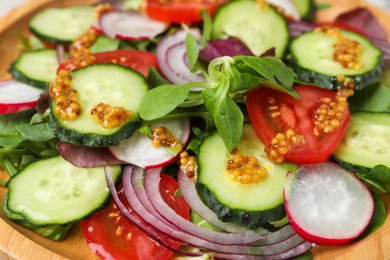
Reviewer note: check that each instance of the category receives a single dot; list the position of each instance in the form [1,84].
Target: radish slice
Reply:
[130,25]
[288,7]
[138,149]
[172,58]
[326,204]
[16,96]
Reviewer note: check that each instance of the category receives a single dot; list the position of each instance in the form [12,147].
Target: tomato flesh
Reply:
[139,61]
[112,236]
[286,112]
[181,11]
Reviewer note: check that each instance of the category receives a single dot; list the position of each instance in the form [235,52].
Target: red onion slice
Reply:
[130,25]
[152,178]
[60,51]
[131,216]
[172,58]
[292,246]
[201,232]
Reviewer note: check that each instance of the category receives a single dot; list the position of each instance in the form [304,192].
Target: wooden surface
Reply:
[19,243]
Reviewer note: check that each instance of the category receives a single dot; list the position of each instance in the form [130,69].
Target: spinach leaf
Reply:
[226,114]
[9,122]
[192,50]
[269,68]
[11,142]
[378,217]
[160,101]
[40,132]
[374,98]
[155,79]
[207,27]
[104,43]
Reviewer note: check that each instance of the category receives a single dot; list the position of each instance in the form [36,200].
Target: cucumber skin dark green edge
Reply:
[48,39]
[330,82]
[93,140]
[19,76]
[251,219]
[54,235]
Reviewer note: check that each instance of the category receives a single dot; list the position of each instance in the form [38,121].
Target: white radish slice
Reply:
[327,204]
[138,149]
[130,25]
[172,59]
[16,96]
[287,6]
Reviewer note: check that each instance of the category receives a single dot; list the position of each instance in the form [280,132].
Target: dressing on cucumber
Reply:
[110,84]
[260,28]
[312,59]
[36,68]
[58,192]
[367,140]
[250,205]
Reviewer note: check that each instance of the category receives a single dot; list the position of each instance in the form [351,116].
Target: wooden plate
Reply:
[17,242]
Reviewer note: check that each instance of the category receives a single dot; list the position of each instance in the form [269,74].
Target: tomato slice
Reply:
[273,112]
[112,236]
[181,11]
[137,60]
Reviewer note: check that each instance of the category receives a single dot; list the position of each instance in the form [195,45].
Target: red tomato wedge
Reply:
[140,61]
[181,11]
[112,236]
[273,112]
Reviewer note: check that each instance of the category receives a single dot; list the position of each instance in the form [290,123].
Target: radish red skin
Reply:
[16,96]
[329,241]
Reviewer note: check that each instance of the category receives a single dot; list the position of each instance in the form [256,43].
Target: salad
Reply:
[226,129]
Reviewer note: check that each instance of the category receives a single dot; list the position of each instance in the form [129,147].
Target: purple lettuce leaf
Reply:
[87,157]
[224,47]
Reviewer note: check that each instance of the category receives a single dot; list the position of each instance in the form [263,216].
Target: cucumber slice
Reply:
[58,192]
[248,205]
[112,84]
[61,25]
[306,9]
[366,142]
[260,28]
[54,232]
[312,60]
[36,68]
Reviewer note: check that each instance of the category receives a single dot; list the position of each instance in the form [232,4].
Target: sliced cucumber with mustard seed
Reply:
[250,204]
[61,25]
[312,58]
[109,84]
[36,68]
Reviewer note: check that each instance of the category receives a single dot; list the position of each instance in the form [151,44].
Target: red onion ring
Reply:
[152,178]
[195,230]
[172,58]
[60,51]
[131,216]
